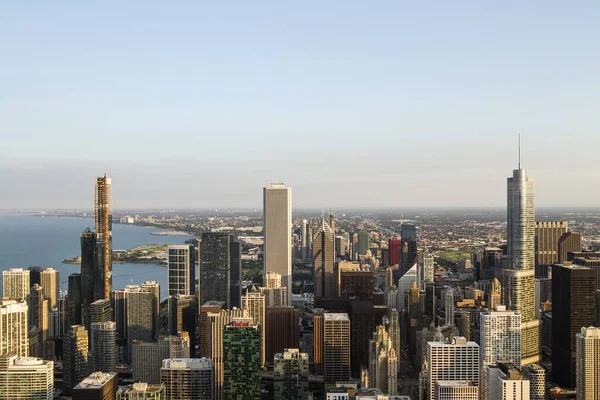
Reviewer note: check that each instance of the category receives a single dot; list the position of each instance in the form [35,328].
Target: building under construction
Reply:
[103,229]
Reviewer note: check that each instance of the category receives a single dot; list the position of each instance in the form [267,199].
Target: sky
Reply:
[351,103]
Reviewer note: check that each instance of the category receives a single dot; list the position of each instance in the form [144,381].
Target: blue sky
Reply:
[352,103]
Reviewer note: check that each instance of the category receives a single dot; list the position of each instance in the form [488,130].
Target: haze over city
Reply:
[200,105]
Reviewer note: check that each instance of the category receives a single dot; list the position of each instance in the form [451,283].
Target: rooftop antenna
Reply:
[519,151]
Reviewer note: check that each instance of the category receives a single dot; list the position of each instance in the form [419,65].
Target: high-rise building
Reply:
[35,275]
[568,242]
[139,304]
[291,375]
[318,340]
[50,281]
[103,230]
[383,362]
[63,315]
[208,307]
[547,236]
[588,359]
[355,282]
[394,249]
[148,356]
[182,318]
[254,303]
[277,231]
[15,284]
[304,241]
[427,262]
[362,246]
[340,246]
[408,250]
[456,361]
[26,378]
[405,283]
[118,304]
[456,390]
[181,269]
[235,276]
[449,305]
[91,279]
[103,347]
[141,391]
[574,287]
[282,328]
[38,316]
[154,287]
[215,267]
[495,294]
[187,378]
[75,356]
[537,378]
[336,349]
[324,261]
[518,284]
[100,311]
[74,301]
[97,386]
[14,328]
[504,381]
[241,361]
[275,294]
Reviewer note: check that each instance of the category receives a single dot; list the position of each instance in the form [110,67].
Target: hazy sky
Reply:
[352,103]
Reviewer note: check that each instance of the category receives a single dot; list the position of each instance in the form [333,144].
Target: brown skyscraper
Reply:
[282,330]
[318,340]
[547,235]
[324,261]
[103,228]
[356,283]
[336,352]
[568,242]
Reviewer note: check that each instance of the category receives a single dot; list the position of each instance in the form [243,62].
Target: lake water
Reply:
[27,240]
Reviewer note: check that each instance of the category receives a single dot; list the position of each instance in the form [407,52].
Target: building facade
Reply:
[15,284]
[241,361]
[336,347]
[215,267]
[291,375]
[187,378]
[181,269]
[26,378]
[588,359]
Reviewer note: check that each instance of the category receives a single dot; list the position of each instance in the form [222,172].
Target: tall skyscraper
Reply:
[154,287]
[291,375]
[568,242]
[394,249]
[282,329]
[318,340]
[38,316]
[277,231]
[14,328]
[140,322]
[254,303]
[304,241]
[241,361]
[383,362]
[324,261]
[336,351]
[574,287]
[547,236]
[92,272]
[75,356]
[408,250]
[456,361]
[362,245]
[519,277]
[97,386]
[588,359]
[235,276]
[187,378]
[182,318]
[148,356]
[181,269]
[103,230]
[103,347]
[537,378]
[495,294]
[15,284]
[100,311]
[215,267]
[449,305]
[427,262]
[275,294]
[50,281]
[26,378]
[74,301]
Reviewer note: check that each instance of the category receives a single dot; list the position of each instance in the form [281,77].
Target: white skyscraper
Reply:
[519,277]
[15,284]
[456,361]
[181,269]
[428,267]
[277,231]
[588,360]
[26,378]
[13,328]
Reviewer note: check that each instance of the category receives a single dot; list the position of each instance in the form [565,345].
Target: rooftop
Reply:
[187,363]
[336,317]
[96,380]
[455,383]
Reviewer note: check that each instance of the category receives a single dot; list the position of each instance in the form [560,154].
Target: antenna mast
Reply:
[519,151]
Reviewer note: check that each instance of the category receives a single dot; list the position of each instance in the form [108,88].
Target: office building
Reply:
[14,328]
[537,381]
[277,231]
[208,307]
[383,362]
[97,386]
[455,361]
[241,361]
[215,267]
[38,317]
[340,247]
[34,275]
[336,347]
[103,347]
[495,294]
[574,287]
[305,241]
[568,242]
[504,381]
[405,283]
[15,284]
[75,356]
[74,301]
[291,375]
[235,275]
[50,281]
[588,359]
[182,318]
[427,263]
[154,287]
[547,236]
[449,305]
[26,378]
[363,243]
[181,266]
[500,336]
[141,391]
[394,250]
[100,311]
[324,262]
[148,356]
[275,294]
[355,282]
[456,390]
[408,250]
[318,340]
[282,330]
[92,269]
[187,378]
[519,277]
[254,303]
[139,305]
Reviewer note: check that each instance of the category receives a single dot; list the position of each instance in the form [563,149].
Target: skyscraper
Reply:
[103,230]
[324,261]
[282,328]
[187,378]
[304,241]
[141,391]
[103,347]
[277,231]
[362,245]
[38,316]
[74,301]
[318,340]
[254,303]
[275,294]
[427,262]
[408,250]
[568,242]
[547,236]
[215,267]
[291,375]
[336,351]
[537,378]
[97,386]
[235,276]
[26,378]
[182,318]
[139,306]
[148,356]
[449,305]
[574,287]
[100,311]
[519,277]
[92,270]
[241,361]
[154,287]
[50,281]
[495,294]
[14,328]
[181,269]
[383,362]
[15,284]
[394,249]
[588,359]
[75,356]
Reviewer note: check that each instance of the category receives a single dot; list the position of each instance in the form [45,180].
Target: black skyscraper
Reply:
[235,260]
[74,300]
